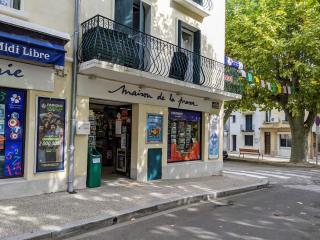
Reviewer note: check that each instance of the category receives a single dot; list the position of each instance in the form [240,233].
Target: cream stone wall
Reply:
[139,146]
[61,90]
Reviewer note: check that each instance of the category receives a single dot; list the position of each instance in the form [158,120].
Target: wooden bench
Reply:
[251,151]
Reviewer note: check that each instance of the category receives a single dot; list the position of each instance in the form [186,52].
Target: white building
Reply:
[267,131]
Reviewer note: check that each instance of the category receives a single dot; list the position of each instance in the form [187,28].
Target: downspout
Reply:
[74,95]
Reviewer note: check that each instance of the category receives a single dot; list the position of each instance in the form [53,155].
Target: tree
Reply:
[278,40]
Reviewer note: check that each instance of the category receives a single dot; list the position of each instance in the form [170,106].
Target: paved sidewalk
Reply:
[58,212]
[270,160]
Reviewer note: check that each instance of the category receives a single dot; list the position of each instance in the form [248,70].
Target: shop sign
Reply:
[83,128]
[26,76]
[213,137]
[215,105]
[30,49]
[154,128]
[50,134]
[111,90]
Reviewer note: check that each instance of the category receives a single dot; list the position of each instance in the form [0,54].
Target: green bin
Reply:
[94,168]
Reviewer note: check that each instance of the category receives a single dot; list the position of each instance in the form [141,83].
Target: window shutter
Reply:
[197,59]
[179,33]
[124,12]
[197,42]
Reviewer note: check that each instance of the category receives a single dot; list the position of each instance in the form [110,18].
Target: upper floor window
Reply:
[16,4]
[249,126]
[233,118]
[268,116]
[285,140]
[286,117]
[200,2]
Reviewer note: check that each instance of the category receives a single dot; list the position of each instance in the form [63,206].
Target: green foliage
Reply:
[279,41]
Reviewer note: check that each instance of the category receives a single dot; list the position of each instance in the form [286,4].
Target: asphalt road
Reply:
[288,210]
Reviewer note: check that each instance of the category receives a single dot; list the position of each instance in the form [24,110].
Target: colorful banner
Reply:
[50,134]
[213,137]
[14,132]
[154,128]
[184,135]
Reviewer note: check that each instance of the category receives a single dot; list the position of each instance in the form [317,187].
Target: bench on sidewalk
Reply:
[251,151]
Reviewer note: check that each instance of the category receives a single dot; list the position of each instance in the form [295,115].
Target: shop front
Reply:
[148,133]
[33,110]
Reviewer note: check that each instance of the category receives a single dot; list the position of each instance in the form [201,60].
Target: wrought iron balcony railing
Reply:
[247,128]
[105,40]
[206,4]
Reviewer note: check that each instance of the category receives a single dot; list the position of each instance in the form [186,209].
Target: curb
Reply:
[102,221]
[271,163]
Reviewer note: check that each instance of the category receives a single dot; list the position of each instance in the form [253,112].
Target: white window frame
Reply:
[287,137]
[11,2]
[12,12]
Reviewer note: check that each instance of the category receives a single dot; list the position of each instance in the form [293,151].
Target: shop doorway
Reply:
[267,143]
[111,136]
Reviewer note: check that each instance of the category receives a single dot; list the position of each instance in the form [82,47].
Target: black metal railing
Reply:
[105,40]
[206,4]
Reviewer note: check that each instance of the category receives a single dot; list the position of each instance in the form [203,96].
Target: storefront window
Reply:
[12,124]
[285,140]
[184,135]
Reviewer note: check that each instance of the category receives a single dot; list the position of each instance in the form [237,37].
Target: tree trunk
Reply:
[299,140]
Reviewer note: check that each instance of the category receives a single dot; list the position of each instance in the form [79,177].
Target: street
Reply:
[289,209]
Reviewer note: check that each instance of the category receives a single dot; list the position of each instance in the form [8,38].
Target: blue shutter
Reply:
[197,59]
[179,33]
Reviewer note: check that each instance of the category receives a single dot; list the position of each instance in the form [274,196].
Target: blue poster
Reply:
[214,137]
[154,128]
[14,132]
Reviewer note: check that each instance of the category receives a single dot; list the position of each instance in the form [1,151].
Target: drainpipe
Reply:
[74,95]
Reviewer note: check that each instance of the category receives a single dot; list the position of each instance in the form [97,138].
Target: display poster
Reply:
[213,137]
[13,108]
[121,160]
[184,135]
[50,134]
[154,128]
[118,125]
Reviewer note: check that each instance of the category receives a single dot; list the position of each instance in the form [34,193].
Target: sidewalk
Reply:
[56,215]
[270,160]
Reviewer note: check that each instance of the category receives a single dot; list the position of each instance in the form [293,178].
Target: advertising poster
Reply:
[184,135]
[121,160]
[213,137]
[154,128]
[13,128]
[50,134]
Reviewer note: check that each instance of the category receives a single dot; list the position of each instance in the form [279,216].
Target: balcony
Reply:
[200,7]
[247,129]
[106,43]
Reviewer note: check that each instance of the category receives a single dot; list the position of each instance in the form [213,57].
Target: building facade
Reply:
[150,91]
[268,131]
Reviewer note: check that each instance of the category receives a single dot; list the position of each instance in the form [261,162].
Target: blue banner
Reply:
[175,114]
[30,49]
[14,132]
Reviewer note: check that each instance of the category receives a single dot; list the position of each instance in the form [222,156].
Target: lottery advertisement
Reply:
[12,121]
[50,134]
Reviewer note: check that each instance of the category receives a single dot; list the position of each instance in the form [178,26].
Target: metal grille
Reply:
[105,40]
